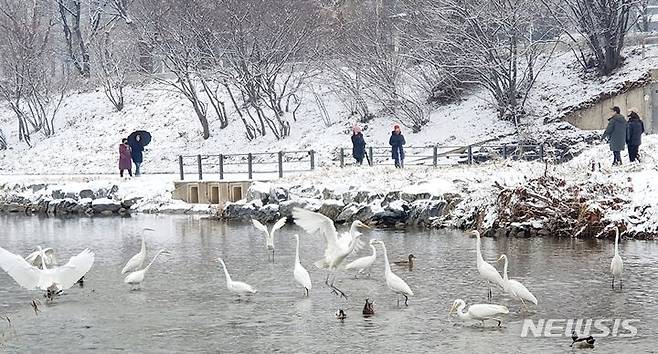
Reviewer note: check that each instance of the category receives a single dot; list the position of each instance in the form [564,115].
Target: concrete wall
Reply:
[596,117]
[210,192]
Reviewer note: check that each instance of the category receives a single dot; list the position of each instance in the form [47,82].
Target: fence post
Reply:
[372,157]
[250,167]
[435,156]
[470,154]
[312,153]
[198,161]
[504,151]
[221,166]
[342,157]
[180,167]
[541,151]
[280,164]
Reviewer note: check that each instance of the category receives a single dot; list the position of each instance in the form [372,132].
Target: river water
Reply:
[183,305]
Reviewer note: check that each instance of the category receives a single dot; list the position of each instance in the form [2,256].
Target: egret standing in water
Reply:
[487,272]
[269,235]
[137,261]
[480,312]
[395,283]
[300,273]
[137,277]
[514,288]
[363,263]
[237,287]
[617,265]
[52,280]
[337,249]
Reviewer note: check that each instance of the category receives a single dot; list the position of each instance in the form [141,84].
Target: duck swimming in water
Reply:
[368,309]
[409,262]
[582,343]
[341,315]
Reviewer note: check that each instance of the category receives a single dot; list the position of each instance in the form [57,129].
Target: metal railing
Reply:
[446,155]
[249,163]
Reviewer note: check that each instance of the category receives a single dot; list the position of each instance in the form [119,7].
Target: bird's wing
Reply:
[69,274]
[487,310]
[261,227]
[34,258]
[279,224]
[19,269]
[398,285]
[312,222]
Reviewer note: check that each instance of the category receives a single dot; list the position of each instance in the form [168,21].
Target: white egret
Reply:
[52,280]
[395,283]
[34,258]
[300,273]
[514,288]
[269,235]
[363,263]
[479,312]
[237,287]
[336,250]
[137,261]
[617,265]
[487,272]
[137,277]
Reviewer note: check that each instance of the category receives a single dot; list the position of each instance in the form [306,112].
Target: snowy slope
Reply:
[89,130]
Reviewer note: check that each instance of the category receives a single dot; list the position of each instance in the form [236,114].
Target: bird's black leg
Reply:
[613,282]
[405,300]
[398,301]
[326,281]
[621,283]
[499,322]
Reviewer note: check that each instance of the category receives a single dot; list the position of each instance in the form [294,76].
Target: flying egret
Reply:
[479,312]
[337,249]
[395,283]
[137,277]
[137,261]
[515,288]
[617,265]
[300,273]
[52,280]
[487,272]
[363,263]
[269,235]
[237,287]
[34,258]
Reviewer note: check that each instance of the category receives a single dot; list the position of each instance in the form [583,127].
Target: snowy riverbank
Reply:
[512,198]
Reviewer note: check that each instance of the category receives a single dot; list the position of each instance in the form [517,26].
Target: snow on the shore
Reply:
[89,130]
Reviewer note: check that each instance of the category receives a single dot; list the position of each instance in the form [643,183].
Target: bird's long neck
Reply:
[43,258]
[354,230]
[505,270]
[228,276]
[143,245]
[153,260]
[374,251]
[477,249]
[297,249]
[616,242]
[387,266]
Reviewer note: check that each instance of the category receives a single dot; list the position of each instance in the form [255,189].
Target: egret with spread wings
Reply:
[269,235]
[337,249]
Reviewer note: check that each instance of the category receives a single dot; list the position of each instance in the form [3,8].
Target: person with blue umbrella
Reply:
[137,140]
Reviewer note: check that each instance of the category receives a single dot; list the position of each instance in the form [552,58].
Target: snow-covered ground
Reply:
[89,130]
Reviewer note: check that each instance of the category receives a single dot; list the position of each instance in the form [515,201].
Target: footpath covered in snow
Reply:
[503,197]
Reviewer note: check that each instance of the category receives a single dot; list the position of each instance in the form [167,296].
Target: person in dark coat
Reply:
[358,145]
[125,158]
[634,135]
[397,142]
[616,134]
[136,154]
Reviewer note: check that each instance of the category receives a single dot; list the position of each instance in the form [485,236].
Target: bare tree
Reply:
[3,140]
[602,25]
[116,57]
[30,82]
[269,49]
[495,43]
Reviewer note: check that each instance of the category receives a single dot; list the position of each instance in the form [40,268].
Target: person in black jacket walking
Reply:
[358,145]
[397,141]
[616,134]
[634,135]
